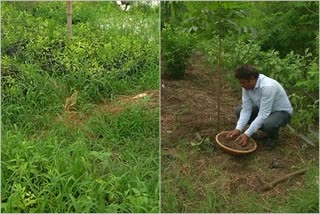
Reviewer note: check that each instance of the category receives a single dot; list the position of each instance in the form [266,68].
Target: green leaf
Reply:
[193,143]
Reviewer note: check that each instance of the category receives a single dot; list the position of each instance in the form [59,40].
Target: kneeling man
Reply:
[265,107]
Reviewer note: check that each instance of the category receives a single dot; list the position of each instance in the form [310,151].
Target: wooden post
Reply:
[69,19]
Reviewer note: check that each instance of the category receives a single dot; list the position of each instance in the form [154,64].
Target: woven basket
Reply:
[234,151]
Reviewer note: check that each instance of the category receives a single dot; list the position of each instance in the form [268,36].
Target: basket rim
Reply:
[233,150]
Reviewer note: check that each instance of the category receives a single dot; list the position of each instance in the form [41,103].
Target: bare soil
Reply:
[76,119]
[190,105]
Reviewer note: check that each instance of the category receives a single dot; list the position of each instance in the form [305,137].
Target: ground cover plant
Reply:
[196,174]
[79,116]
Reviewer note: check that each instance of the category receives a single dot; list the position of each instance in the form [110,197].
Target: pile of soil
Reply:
[233,144]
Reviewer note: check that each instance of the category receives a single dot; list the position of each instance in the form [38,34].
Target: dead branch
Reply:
[301,136]
[269,185]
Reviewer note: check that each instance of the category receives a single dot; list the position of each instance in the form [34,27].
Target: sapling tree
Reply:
[221,20]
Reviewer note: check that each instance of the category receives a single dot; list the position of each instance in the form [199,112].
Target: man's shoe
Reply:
[259,136]
[270,143]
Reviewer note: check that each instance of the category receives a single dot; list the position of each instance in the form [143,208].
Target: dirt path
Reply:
[189,106]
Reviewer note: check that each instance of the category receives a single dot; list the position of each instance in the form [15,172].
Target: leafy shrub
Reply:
[299,76]
[287,26]
[176,49]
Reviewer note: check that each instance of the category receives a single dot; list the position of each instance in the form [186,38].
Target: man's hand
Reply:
[242,140]
[233,133]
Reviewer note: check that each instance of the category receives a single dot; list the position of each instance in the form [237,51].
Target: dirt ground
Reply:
[76,118]
[189,106]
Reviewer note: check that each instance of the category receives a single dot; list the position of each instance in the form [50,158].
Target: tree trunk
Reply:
[219,84]
[219,71]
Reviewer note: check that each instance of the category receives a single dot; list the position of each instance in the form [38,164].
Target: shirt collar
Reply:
[258,82]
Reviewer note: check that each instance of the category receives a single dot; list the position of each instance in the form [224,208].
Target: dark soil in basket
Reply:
[233,144]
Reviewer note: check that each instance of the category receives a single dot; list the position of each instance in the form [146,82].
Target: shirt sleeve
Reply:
[268,94]
[245,111]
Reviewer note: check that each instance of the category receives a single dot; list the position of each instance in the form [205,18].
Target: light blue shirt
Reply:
[269,96]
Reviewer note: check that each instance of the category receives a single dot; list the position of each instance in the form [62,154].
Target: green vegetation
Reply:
[63,147]
[286,27]
[177,46]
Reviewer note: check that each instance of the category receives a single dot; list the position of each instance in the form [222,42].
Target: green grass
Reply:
[187,186]
[98,161]
[66,171]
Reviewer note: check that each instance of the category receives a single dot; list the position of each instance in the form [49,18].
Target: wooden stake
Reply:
[301,136]
[69,19]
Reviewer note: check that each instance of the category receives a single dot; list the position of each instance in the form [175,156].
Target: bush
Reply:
[176,49]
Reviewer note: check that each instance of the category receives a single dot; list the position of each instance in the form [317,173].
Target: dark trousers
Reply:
[272,124]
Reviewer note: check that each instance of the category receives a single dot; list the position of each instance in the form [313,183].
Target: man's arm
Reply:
[245,112]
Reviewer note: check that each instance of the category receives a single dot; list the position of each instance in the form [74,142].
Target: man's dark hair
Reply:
[246,72]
